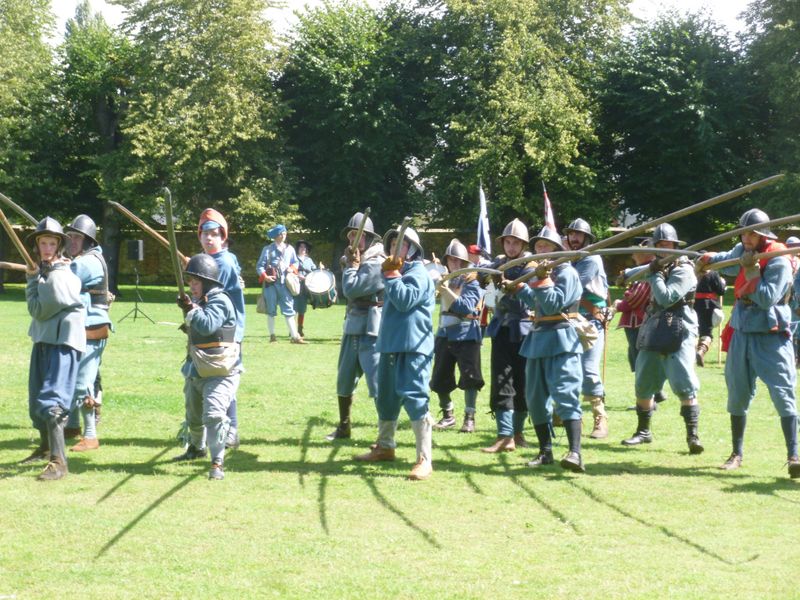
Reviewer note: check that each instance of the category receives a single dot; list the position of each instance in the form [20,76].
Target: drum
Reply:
[321,286]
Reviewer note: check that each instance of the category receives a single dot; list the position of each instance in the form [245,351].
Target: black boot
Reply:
[545,446]
[192,452]
[691,416]
[342,430]
[789,426]
[41,453]
[57,467]
[643,434]
[447,421]
[573,460]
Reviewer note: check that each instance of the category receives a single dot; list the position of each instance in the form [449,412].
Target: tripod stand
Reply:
[135,311]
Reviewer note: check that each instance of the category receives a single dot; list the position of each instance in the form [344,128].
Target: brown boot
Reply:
[702,347]
[501,444]
[71,432]
[55,469]
[342,430]
[520,441]
[376,454]
[85,445]
[422,470]
[600,428]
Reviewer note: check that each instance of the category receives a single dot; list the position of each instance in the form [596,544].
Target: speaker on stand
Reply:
[136,254]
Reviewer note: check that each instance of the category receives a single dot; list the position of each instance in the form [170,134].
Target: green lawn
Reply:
[296,517]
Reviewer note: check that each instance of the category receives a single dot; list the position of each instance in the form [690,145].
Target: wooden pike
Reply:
[18,209]
[360,230]
[12,235]
[12,266]
[146,228]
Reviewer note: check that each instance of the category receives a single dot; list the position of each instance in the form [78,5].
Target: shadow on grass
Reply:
[165,496]
[141,469]
[766,488]
[323,485]
[468,477]
[659,528]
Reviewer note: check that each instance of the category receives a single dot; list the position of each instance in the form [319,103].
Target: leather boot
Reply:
[383,449]
[702,347]
[42,452]
[469,423]
[422,433]
[342,430]
[520,441]
[794,466]
[600,427]
[447,421]
[691,415]
[57,467]
[545,456]
[501,444]
[85,445]
[573,461]
[192,452]
[643,434]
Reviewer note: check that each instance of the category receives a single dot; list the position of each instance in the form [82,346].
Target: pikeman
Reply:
[405,343]
[90,267]
[213,365]
[710,287]
[59,339]
[212,231]
[458,340]
[553,368]
[666,342]
[362,286]
[508,328]
[595,292]
[760,336]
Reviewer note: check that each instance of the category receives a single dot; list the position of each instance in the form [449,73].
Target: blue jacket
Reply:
[664,292]
[461,321]
[273,257]
[213,313]
[551,338]
[363,289]
[229,271]
[765,309]
[92,273]
[54,302]
[510,311]
[593,279]
[409,302]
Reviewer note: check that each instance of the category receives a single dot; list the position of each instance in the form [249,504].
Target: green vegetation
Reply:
[295,517]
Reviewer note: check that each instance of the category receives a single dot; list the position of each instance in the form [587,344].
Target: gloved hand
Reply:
[352,257]
[185,303]
[655,266]
[701,264]
[750,265]
[509,287]
[543,270]
[392,263]
[620,280]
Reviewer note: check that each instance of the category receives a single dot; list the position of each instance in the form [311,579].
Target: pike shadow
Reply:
[323,485]
[160,500]
[554,512]
[659,528]
[140,469]
[468,477]
[766,488]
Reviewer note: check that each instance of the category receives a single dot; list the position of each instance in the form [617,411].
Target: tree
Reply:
[355,81]
[677,120]
[203,113]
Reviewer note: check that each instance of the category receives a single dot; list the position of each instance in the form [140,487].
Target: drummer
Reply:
[305,266]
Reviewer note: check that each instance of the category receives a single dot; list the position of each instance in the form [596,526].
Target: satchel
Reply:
[214,365]
[292,282]
[661,332]
[261,304]
[587,332]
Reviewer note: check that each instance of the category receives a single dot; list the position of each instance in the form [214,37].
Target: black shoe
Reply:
[794,467]
[447,421]
[191,453]
[640,437]
[544,458]
[573,462]
[695,447]
[659,397]
[342,432]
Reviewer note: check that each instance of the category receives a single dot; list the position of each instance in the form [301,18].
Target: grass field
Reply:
[295,517]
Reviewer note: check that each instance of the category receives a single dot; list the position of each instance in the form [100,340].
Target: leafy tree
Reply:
[773,38]
[355,81]
[677,120]
[203,114]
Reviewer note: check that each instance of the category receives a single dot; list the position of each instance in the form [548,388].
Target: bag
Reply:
[292,282]
[717,317]
[261,304]
[661,332]
[587,332]
[214,365]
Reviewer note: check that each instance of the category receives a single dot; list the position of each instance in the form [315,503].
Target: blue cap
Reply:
[208,225]
[276,231]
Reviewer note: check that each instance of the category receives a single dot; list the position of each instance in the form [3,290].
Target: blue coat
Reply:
[409,302]
[468,304]
[208,318]
[510,311]
[679,282]
[592,275]
[551,338]
[272,256]
[229,271]
[88,268]
[363,288]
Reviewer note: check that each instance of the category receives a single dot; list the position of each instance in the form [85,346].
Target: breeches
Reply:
[357,356]
[87,371]
[507,387]
[277,295]
[403,379]
[653,368]
[447,355]
[592,384]
[553,380]
[51,380]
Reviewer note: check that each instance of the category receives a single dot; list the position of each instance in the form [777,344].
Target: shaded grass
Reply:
[296,517]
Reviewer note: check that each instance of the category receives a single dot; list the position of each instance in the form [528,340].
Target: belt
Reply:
[470,316]
[367,303]
[97,332]
[559,317]
[706,296]
[213,345]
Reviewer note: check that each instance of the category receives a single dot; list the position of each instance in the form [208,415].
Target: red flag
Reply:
[549,221]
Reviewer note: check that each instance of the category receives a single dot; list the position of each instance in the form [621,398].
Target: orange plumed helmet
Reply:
[211,215]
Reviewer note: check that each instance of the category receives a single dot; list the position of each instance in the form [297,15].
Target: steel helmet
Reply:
[516,229]
[792,241]
[548,235]
[666,233]
[85,225]
[754,216]
[204,267]
[415,250]
[580,226]
[457,250]
[48,226]
[355,222]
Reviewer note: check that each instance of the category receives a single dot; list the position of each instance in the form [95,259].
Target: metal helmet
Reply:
[754,216]
[204,267]
[355,222]
[665,233]
[85,225]
[48,226]
[792,241]
[516,229]
[580,226]
[415,252]
[457,250]
[548,235]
